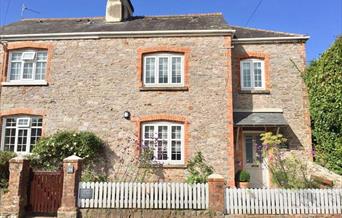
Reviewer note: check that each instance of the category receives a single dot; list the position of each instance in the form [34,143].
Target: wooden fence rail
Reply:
[283,201]
[143,195]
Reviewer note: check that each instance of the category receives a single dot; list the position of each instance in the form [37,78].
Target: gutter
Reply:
[270,39]
[116,34]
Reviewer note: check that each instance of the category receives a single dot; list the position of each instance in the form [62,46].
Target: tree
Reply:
[324,81]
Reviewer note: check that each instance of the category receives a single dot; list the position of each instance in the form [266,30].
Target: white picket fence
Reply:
[283,201]
[143,195]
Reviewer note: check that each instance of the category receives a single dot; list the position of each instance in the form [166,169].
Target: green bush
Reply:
[324,81]
[243,176]
[198,170]
[50,151]
[5,156]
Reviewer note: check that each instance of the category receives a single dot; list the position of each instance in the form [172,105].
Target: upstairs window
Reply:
[27,65]
[167,141]
[20,134]
[252,74]
[163,69]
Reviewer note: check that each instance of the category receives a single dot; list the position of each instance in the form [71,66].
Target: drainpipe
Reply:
[4,48]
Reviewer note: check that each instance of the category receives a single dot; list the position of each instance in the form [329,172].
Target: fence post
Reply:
[216,193]
[15,200]
[72,168]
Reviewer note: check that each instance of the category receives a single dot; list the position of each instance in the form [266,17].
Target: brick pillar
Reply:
[72,173]
[15,200]
[216,193]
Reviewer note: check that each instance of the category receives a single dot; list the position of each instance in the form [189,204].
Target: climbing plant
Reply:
[198,169]
[324,81]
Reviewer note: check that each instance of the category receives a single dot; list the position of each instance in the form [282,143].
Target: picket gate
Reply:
[143,195]
[283,201]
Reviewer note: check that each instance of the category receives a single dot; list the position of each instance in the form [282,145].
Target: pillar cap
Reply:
[73,158]
[216,177]
[18,159]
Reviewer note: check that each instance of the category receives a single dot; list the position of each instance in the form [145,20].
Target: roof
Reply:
[259,119]
[214,21]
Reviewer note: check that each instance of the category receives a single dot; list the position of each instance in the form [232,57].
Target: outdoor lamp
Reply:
[127,115]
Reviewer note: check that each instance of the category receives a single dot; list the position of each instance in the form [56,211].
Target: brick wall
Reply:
[94,81]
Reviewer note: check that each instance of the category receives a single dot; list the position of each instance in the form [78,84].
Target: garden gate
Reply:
[45,192]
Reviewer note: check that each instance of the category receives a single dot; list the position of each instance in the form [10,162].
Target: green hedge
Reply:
[324,81]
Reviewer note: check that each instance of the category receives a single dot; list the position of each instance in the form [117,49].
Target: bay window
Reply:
[252,74]
[21,133]
[163,69]
[167,141]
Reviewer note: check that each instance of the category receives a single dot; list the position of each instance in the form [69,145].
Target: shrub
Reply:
[324,81]
[198,170]
[5,156]
[243,176]
[50,151]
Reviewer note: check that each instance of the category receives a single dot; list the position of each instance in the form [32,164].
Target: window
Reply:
[164,69]
[20,134]
[167,141]
[252,74]
[27,65]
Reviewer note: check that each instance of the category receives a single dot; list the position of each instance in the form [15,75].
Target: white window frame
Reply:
[157,57]
[34,62]
[17,128]
[251,62]
[169,141]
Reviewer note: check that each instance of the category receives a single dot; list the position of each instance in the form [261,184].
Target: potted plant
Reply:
[243,179]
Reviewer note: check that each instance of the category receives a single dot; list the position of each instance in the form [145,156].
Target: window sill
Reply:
[255,92]
[168,166]
[167,89]
[25,83]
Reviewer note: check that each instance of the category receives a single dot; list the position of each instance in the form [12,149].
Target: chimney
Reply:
[118,10]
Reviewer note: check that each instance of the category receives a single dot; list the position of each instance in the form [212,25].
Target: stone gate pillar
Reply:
[72,169]
[15,200]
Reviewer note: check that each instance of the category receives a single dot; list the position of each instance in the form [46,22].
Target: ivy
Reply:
[5,156]
[324,81]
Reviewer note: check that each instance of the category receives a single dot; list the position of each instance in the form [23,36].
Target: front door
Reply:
[253,163]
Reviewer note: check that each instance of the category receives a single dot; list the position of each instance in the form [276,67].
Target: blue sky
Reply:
[321,19]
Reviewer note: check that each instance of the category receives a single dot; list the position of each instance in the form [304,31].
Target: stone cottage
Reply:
[195,81]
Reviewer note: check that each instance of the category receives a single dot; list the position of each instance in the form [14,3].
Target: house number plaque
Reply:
[86,193]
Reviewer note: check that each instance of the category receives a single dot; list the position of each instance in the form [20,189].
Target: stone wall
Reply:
[287,88]
[94,81]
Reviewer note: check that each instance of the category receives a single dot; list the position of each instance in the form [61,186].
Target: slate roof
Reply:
[149,23]
[259,119]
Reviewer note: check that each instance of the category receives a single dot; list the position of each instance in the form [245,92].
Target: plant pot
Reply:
[243,184]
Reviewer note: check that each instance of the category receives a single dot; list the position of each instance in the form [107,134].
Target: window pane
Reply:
[16,56]
[22,140]
[176,132]
[11,122]
[246,75]
[249,149]
[162,142]
[15,71]
[40,71]
[9,139]
[257,75]
[176,150]
[149,132]
[42,56]
[28,71]
[176,70]
[37,122]
[150,70]
[36,133]
[163,70]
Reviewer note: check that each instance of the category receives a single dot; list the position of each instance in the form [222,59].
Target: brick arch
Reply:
[23,111]
[12,46]
[169,118]
[182,50]
[257,55]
